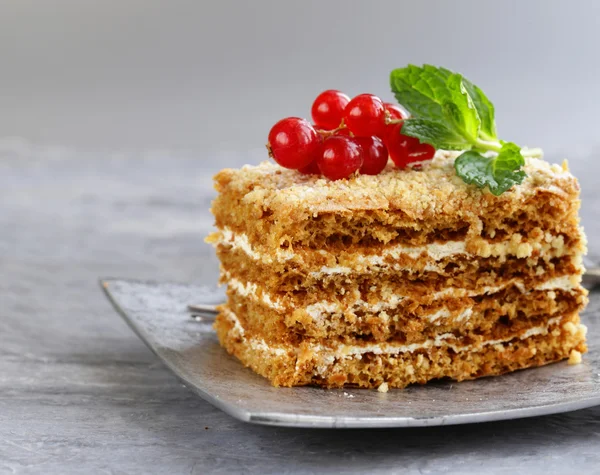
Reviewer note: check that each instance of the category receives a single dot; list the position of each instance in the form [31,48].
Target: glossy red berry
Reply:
[405,150]
[341,157]
[365,116]
[311,169]
[375,155]
[294,143]
[421,151]
[328,109]
[396,112]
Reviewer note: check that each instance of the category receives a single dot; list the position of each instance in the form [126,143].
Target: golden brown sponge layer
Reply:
[489,316]
[465,273]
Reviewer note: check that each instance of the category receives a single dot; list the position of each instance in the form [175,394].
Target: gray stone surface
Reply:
[80,393]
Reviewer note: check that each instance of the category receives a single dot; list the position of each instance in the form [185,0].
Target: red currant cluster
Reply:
[347,136]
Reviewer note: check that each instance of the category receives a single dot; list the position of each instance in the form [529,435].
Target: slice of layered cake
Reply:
[344,267]
[399,278]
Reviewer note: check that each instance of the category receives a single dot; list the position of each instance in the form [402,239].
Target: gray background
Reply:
[115,114]
[203,76]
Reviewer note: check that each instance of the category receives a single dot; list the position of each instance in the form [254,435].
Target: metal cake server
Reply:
[202,312]
[591,278]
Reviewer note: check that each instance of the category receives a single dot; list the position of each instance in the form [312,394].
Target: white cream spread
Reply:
[240,241]
[250,289]
[565,282]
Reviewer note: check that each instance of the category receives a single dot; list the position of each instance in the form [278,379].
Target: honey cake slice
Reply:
[399,278]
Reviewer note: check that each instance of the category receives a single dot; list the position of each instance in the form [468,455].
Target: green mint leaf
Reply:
[435,133]
[417,103]
[485,110]
[460,109]
[498,173]
[450,112]
[438,70]
[438,95]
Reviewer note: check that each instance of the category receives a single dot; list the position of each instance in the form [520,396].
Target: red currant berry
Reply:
[328,109]
[341,157]
[375,155]
[311,169]
[421,152]
[404,149]
[365,116]
[396,112]
[294,143]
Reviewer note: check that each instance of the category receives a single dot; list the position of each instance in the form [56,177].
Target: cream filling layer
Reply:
[250,289]
[320,310]
[512,247]
[446,340]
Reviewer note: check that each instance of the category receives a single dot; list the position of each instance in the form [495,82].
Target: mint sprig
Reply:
[449,112]
[498,173]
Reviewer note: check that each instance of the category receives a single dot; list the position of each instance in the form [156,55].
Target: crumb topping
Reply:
[435,189]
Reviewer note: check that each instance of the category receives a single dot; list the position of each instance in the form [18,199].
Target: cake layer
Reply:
[318,266]
[358,258]
[460,272]
[371,365]
[384,297]
[280,208]
[492,316]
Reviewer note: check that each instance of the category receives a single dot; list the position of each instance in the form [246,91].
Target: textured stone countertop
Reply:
[80,393]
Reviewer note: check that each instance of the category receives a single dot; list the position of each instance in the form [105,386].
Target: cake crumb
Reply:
[575,357]
[349,396]
[571,328]
[384,388]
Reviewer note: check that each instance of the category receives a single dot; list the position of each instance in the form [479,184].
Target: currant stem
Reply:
[269,150]
[329,133]
[393,121]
